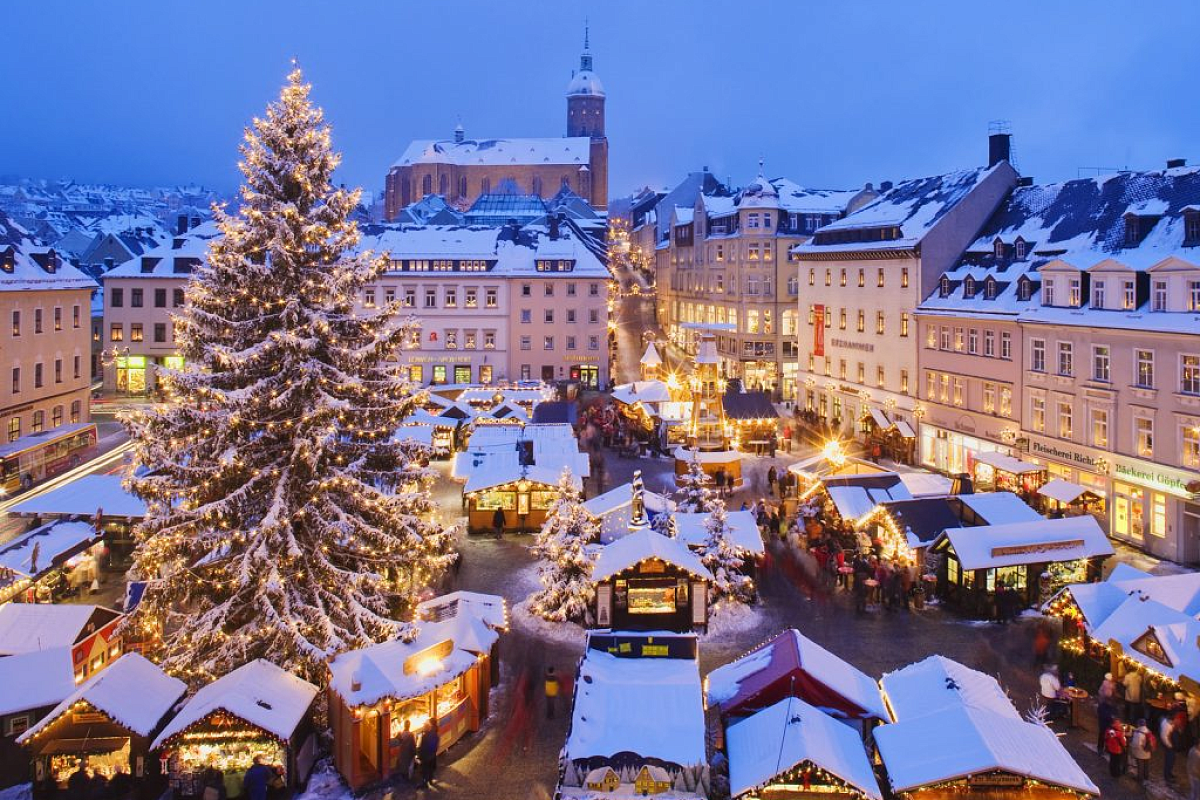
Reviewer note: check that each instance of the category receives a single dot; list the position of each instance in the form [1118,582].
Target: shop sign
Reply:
[439,360]
[1061,453]
[437,652]
[818,330]
[1134,470]
[1152,476]
[1037,547]
[866,347]
[996,780]
[581,359]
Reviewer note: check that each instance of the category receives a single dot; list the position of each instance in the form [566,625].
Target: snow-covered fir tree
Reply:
[664,523]
[565,571]
[720,556]
[283,522]
[695,495]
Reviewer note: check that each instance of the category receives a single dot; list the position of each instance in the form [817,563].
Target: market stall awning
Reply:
[1040,542]
[1014,466]
[854,496]
[83,497]
[1063,491]
[83,747]
[880,419]
[905,430]
[35,553]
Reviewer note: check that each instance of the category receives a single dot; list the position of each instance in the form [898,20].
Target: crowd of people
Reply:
[86,783]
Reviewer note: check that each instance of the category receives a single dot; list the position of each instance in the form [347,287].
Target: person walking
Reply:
[551,686]
[256,780]
[1166,735]
[1141,747]
[1114,745]
[773,481]
[498,522]
[427,751]
[406,751]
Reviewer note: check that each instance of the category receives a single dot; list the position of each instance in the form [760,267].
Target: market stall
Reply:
[90,632]
[31,685]
[646,581]
[443,675]
[523,493]
[1030,560]
[612,510]
[743,532]
[101,499]
[50,561]
[754,420]
[110,720]
[995,471]
[256,710]
[792,750]
[1063,497]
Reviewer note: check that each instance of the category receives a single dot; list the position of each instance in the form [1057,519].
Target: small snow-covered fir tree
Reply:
[282,520]
[695,495]
[565,571]
[665,524]
[720,556]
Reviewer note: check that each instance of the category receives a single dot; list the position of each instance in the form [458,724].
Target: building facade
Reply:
[462,169]
[1095,286]
[45,339]
[861,280]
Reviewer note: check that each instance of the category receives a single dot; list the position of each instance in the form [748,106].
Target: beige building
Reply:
[725,269]
[1096,283]
[861,280]
[44,340]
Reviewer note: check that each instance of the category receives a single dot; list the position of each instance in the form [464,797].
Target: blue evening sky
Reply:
[831,94]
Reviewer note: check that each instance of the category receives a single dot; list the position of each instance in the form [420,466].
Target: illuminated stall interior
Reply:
[256,710]
[647,582]
[43,562]
[524,494]
[110,720]
[443,675]
[997,472]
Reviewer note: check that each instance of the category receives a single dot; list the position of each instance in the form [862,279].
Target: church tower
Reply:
[585,117]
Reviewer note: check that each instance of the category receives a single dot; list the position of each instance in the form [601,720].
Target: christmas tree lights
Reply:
[565,571]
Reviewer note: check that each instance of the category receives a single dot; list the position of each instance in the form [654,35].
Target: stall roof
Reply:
[415,432]
[743,529]
[961,740]
[826,680]
[880,418]
[1062,490]
[1138,619]
[26,627]
[855,495]
[704,457]
[925,484]
[749,406]
[999,508]
[83,497]
[35,679]
[905,430]
[132,691]
[1040,541]
[936,683]
[488,608]
[1008,464]
[787,734]
[642,545]
[495,473]
[649,706]
[384,670]
[55,543]
[641,392]
[259,692]
[614,499]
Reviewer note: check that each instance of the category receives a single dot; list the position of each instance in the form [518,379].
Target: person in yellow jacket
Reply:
[551,692]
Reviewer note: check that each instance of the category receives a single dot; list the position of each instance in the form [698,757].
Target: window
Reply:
[37,375]
[526,343]
[526,290]
[160,298]
[1189,374]
[862,373]
[1099,427]
[1193,296]
[828,277]
[58,318]
[1048,292]
[1005,401]
[548,343]
[570,342]
[812,277]
[904,278]
[14,429]
[56,416]
[879,278]
[451,298]
[593,290]
[135,298]
[489,298]
[1037,414]
[78,361]
[1189,451]
[862,320]
[1143,435]
[842,281]
[471,298]
[879,322]
[904,381]
[989,344]
[451,339]
[989,398]
[489,340]
[931,385]
[1143,368]
[1066,359]
[570,290]
[39,422]
[842,319]
[1019,249]
[548,289]
[1006,345]
[1158,296]
[1037,355]
[904,323]
[1098,294]
[526,315]
[945,388]
[862,278]
[931,339]
[76,410]
[944,340]
[570,315]
[594,316]
[1066,427]
[16,323]
[431,298]
[176,298]
[593,343]
[1074,295]
[116,298]
[116,332]
[1128,296]
[75,316]
[135,332]
[58,370]
[548,316]
[973,341]
[37,320]
[1100,363]
[160,332]
[959,342]
[879,376]
[16,380]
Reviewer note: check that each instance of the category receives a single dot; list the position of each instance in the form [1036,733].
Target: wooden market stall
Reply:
[100,499]
[89,632]
[955,733]
[1066,498]
[744,533]
[1030,559]
[995,471]
[612,510]
[256,710]
[442,677]
[51,560]
[31,685]
[523,493]
[647,582]
[791,750]
[110,721]
[754,420]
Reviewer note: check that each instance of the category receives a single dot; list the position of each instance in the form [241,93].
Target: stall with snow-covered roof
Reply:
[1029,559]
[1063,497]
[442,675]
[791,750]
[744,533]
[637,721]
[89,632]
[648,582]
[995,471]
[613,510]
[31,685]
[110,720]
[791,665]
[256,710]
[955,733]
[523,493]
[102,499]
[50,560]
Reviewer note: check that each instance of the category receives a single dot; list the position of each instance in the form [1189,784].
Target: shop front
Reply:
[524,501]
[647,582]
[950,441]
[131,375]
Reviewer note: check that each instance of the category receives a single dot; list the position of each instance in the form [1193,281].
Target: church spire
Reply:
[585,60]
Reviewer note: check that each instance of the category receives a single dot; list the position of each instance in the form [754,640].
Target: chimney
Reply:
[181,225]
[553,227]
[885,186]
[458,133]
[109,263]
[195,222]
[1025,180]
[1176,163]
[999,148]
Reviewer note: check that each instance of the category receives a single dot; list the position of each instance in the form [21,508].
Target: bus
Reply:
[32,459]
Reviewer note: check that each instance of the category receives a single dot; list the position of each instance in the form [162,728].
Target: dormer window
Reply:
[1075,298]
[1098,294]
[944,287]
[998,248]
[1128,295]
[989,288]
[1024,288]
[1191,226]
[968,287]
[1048,292]
[1133,230]
[8,259]
[1019,249]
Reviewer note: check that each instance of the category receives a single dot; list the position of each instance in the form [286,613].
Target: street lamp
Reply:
[834,453]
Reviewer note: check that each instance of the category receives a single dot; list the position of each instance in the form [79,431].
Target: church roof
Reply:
[585,82]
[574,150]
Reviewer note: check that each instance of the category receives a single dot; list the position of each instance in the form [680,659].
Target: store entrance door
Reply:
[1191,534]
[368,744]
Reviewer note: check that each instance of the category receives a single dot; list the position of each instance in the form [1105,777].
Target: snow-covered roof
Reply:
[35,679]
[83,497]
[788,734]
[53,542]
[645,544]
[260,693]
[649,706]
[497,152]
[131,691]
[497,472]
[1007,463]
[960,741]
[925,484]
[1040,541]
[33,267]
[785,656]
[1061,490]
[176,258]
[26,627]
[1178,635]
[937,683]
[621,496]
[855,495]
[651,358]
[743,530]
[489,608]
[641,392]
[585,82]
[414,432]
[999,508]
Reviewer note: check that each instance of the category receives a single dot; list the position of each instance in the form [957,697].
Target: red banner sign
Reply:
[818,330]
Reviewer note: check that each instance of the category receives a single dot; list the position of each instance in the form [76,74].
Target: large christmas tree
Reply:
[565,570]
[283,522]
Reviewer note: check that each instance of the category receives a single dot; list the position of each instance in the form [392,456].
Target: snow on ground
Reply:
[323,784]
[22,791]
[727,619]
[563,632]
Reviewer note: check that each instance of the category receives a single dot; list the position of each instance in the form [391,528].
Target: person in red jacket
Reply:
[1114,745]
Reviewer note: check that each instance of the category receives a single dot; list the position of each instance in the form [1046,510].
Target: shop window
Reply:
[416,373]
